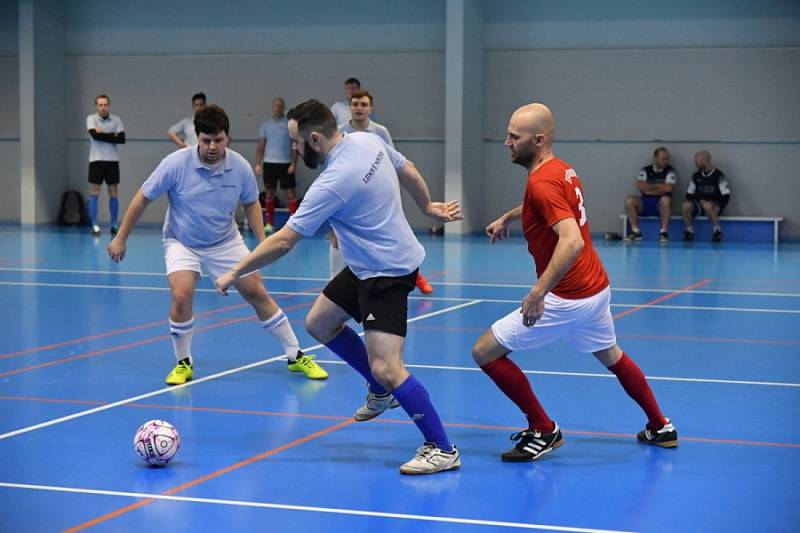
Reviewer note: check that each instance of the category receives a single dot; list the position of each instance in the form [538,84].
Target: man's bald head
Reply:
[536,119]
[531,130]
[702,160]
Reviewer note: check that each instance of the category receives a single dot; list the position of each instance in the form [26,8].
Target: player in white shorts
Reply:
[205,184]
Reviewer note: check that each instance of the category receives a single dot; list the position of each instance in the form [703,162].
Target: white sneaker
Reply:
[375,405]
[431,459]
[95,230]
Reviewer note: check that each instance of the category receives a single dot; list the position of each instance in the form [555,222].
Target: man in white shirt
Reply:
[341,109]
[358,193]
[106,132]
[204,185]
[182,133]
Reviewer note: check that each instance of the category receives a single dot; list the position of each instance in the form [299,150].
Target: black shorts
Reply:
[379,303]
[104,170]
[697,208]
[278,172]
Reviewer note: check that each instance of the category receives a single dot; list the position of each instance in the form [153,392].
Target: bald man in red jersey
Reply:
[570,299]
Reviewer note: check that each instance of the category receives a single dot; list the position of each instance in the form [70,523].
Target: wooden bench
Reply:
[734,228]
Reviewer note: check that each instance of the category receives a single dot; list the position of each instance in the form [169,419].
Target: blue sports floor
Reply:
[85,349]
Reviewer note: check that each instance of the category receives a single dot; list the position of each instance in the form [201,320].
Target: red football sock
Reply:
[270,203]
[292,205]
[635,384]
[516,386]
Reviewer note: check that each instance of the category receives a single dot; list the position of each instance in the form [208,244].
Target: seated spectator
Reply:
[655,183]
[708,193]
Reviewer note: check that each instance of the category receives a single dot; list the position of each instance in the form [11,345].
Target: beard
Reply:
[522,158]
[310,157]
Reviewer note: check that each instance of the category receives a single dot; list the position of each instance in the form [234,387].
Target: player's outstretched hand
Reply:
[117,249]
[223,282]
[445,211]
[532,309]
[498,230]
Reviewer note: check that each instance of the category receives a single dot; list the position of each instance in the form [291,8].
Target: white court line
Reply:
[444,283]
[434,298]
[308,508]
[593,375]
[196,381]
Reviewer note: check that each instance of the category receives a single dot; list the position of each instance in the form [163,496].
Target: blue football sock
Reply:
[93,209]
[349,346]
[113,207]
[417,403]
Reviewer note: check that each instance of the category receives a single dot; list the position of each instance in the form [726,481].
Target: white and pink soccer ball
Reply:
[156,442]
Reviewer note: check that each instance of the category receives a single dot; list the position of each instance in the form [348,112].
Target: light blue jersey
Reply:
[279,144]
[375,128]
[202,200]
[358,192]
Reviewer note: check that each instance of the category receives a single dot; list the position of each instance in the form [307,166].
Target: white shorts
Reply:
[216,259]
[585,323]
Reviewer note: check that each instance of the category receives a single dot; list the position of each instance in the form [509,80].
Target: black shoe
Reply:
[717,237]
[688,236]
[666,437]
[634,236]
[663,236]
[114,229]
[533,444]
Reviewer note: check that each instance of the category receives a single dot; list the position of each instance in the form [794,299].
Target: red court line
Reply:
[135,344]
[660,299]
[212,475]
[115,332]
[380,420]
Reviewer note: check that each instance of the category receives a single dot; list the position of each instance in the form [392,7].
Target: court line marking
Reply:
[136,344]
[433,298]
[660,299]
[268,277]
[217,473]
[594,375]
[116,332]
[383,420]
[197,381]
[308,508]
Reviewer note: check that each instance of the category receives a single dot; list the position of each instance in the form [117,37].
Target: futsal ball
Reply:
[156,442]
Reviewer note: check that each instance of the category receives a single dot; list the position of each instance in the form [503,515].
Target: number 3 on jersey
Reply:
[581,208]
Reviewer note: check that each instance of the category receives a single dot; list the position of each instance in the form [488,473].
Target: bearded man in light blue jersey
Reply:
[358,193]
[205,184]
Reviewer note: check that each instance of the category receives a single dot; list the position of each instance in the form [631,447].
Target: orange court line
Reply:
[134,344]
[114,332]
[212,475]
[663,297]
[384,420]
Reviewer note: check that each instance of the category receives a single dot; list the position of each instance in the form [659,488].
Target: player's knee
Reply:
[630,202]
[687,208]
[482,353]
[665,201]
[181,302]
[387,373]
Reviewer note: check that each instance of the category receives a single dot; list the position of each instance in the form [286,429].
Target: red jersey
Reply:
[554,192]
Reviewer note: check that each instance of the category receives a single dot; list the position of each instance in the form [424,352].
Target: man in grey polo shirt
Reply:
[106,132]
[276,161]
[205,184]
[358,193]
[182,133]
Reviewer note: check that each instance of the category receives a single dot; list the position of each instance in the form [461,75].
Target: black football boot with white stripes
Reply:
[532,444]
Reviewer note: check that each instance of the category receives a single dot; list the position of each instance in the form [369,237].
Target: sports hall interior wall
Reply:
[622,79]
